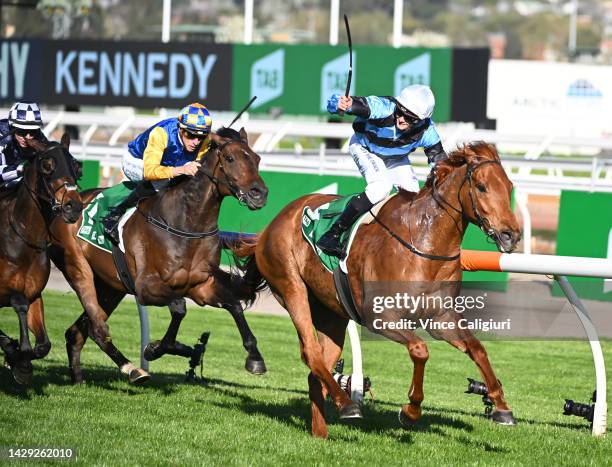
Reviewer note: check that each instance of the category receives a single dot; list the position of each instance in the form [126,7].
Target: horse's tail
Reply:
[252,281]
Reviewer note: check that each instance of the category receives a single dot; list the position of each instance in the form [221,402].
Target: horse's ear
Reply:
[35,144]
[469,154]
[243,135]
[215,140]
[65,141]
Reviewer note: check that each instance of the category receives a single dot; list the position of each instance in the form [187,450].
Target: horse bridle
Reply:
[240,196]
[480,220]
[49,191]
[49,196]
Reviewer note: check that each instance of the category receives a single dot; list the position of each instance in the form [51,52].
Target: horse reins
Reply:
[479,220]
[56,207]
[239,194]
[411,247]
[162,225]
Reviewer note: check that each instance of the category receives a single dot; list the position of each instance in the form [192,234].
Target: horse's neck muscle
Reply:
[191,206]
[20,209]
[26,211]
[436,229]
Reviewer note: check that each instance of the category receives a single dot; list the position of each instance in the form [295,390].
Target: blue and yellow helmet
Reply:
[196,119]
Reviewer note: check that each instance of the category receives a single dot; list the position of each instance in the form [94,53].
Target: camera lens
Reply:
[476,387]
[578,409]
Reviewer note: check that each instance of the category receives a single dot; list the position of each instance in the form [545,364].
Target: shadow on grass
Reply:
[111,379]
[295,414]
[432,409]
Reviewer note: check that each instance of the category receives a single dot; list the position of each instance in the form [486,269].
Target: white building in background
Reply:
[530,97]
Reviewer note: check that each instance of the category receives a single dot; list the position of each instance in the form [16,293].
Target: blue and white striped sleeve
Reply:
[380,107]
[430,137]
[432,144]
[8,172]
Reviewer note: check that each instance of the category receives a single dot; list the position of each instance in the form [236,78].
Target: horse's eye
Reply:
[481,187]
[229,159]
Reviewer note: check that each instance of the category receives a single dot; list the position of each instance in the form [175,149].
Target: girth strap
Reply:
[345,295]
[122,270]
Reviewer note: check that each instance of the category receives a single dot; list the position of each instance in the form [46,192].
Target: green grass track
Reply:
[240,419]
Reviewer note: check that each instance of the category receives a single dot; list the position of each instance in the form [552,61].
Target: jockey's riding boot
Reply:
[111,220]
[330,242]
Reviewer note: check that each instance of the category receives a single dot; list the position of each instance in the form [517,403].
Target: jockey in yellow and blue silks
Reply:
[171,147]
[387,130]
[166,150]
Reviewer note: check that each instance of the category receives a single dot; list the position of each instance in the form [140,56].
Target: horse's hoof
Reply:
[153,351]
[503,417]
[77,379]
[350,410]
[22,372]
[138,376]
[405,420]
[255,367]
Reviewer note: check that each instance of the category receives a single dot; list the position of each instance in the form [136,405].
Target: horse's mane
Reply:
[224,132]
[476,151]
[229,133]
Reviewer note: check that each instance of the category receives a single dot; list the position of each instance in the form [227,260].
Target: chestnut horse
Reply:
[29,214]
[172,251]
[470,186]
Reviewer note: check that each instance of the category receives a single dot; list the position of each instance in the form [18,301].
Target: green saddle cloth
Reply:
[316,223]
[91,229]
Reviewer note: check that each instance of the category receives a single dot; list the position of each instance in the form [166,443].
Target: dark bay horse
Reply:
[173,251]
[29,214]
[470,186]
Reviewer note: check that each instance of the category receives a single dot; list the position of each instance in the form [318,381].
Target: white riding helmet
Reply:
[418,99]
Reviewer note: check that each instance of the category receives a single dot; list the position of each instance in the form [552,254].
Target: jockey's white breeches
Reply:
[382,175]
[133,168]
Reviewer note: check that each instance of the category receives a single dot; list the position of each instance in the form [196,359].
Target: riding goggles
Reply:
[409,117]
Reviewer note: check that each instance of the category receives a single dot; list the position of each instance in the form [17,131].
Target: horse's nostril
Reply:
[507,236]
[255,193]
[73,206]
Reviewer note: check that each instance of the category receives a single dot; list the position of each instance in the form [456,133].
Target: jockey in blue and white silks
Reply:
[24,122]
[166,150]
[387,130]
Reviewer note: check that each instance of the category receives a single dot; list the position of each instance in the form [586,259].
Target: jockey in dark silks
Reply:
[168,149]
[387,130]
[24,122]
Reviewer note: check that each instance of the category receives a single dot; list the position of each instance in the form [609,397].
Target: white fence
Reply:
[103,138]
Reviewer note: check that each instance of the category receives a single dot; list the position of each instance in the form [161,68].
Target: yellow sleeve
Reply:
[158,141]
[203,148]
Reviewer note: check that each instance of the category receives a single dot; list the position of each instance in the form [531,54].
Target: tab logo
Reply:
[415,71]
[333,78]
[267,77]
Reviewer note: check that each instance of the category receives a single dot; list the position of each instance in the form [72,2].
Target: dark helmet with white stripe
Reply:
[25,115]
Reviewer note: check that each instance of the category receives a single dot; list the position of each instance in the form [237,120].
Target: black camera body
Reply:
[197,358]
[579,409]
[480,389]
[344,381]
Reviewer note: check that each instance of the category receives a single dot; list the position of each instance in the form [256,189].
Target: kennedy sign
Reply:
[116,73]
